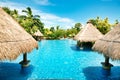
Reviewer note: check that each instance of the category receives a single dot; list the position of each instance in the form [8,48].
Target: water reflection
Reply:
[76,48]
[98,73]
[13,71]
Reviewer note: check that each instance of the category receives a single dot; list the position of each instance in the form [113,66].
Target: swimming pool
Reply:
[61,60]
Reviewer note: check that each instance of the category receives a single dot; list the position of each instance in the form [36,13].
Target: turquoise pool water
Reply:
[59,60]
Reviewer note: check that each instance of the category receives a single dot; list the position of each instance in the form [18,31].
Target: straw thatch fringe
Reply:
[110,44]
[11,50]
[110,49]
[88,34]
[14,40]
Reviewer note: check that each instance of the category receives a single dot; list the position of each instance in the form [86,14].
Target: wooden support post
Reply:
[25,62]
[25,57]
[81,46]
[106,61]
[106,64]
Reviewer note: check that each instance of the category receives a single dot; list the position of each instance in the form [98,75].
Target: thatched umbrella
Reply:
[109,45]
[38,35]
[88,34]
[14,40]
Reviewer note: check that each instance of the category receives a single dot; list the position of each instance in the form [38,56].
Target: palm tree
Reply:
[34,20]
[28,11]
[15,15]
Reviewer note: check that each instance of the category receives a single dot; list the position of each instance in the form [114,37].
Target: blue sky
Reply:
[68,12]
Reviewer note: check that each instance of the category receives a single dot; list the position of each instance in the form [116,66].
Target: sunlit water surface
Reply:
[60,60]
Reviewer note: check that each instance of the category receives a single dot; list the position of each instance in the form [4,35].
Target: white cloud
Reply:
[43,2]
[12,5]
[64,20]
[53,20]
[47,18]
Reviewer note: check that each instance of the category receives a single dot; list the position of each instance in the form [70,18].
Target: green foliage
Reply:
[57,27]
[56,34]
[102,25]
[116,21]
[27,25]
[71,32]
[28,11]
[78,26]
[7,10]
[31,23]
[52,29]
[13,13]
[59,33]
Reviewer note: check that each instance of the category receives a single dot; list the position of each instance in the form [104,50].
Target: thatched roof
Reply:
[14,40]
[110,43]
[88,34]
[38,33]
